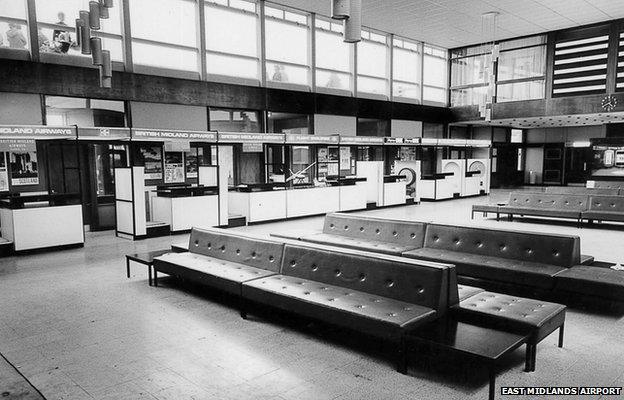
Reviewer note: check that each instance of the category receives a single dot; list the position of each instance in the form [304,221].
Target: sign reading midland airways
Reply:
[160,134]
[37,132]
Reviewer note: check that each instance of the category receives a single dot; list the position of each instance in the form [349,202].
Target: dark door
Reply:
[578,164]
[554,158]
[507,166]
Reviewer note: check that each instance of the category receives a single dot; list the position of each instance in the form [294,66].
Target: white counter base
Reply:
[43,227]
[184,213]
[394,193]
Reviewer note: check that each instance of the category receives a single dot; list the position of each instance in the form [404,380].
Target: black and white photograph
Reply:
[311,200]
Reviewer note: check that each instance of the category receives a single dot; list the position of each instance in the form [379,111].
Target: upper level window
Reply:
[435,72]
[13,26]
[286,41]
[232,44]
[333,56]
[56,22]
[372,63]
[521,69]
[164,34]
[406,69]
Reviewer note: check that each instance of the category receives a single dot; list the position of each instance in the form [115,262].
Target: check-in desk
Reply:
[42,221]
[394,190]
[471,183]
[437,186]
[266,202]
[184,206]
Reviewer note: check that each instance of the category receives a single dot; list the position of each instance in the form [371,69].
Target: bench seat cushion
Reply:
[604,215]
[586,259]
[222,274]
[542,212]
[594,281]
[358,243]
[492,268]
[466,291]
[370,313]
[541,317]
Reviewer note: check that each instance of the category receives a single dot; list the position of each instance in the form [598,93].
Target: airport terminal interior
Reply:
[331,199]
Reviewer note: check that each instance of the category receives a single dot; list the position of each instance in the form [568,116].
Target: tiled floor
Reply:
[79,329]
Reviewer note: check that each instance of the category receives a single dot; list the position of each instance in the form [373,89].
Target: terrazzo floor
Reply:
[77,328]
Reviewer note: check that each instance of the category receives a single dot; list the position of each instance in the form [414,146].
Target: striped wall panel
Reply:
[620,64]
[581,66]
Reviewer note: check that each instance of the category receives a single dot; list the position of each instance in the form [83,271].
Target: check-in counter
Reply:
[437,186]
[352,194]
[42,221]
[472,183]
[311,201]
[258,202]
[184,207]
[394,190]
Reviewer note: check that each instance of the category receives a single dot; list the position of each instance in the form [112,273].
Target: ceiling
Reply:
[456,23]
[554,121]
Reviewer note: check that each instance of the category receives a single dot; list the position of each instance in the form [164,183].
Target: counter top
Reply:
[186,191]
[18,201]
[439,175]
[269,187]
[393,178]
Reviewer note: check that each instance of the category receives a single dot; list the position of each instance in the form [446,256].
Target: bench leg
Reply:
[531,352]
[561,335]
[498,216]
[492,391]
[402,356]
[149,274]
[242,304]
[127,267]
[155,278]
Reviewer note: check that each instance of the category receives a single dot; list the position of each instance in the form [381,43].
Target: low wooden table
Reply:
[473,342]
[146,258]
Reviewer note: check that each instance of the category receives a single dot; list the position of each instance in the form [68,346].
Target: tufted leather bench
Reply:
[485,209]
[538,317]
[594,282]
[376,294]
[519,258]
[466,292]
[369,234]
[546,205]
[222,260]
[605,208]
[581,190]
[609,185]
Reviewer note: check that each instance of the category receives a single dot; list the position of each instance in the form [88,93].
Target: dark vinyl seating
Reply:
[369,234]
[545,205]
[605,208]
[514,257]
[581,190]
[610,185]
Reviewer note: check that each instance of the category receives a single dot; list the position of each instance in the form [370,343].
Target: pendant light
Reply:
[90,20]
[353,25]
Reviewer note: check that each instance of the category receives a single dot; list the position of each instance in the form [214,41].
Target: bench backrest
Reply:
[412,281]
[609,185]
[221,244]
[580,190]
[569,202]
[560,250]
[607,204]
[379,229]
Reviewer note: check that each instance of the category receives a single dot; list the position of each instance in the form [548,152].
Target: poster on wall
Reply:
[152,157]
[24,168]
[174,167]
[4,174]
[608,160]
[191,162]
[345,158]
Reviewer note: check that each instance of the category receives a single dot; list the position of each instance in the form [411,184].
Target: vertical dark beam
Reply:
[612,60]
[312,51]
[261,43]
[31,18]
[550,64]
[390,62]
[127,35]
[201,41]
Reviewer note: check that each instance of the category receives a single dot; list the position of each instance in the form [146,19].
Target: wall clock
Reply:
[609,103]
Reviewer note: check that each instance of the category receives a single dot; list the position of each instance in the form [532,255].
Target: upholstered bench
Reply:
[599,283]
[605,208]
[371,293]
[223,260]
[485,209]
[466,292]
[524,259]
[540,318]
[367,233]
[545,205]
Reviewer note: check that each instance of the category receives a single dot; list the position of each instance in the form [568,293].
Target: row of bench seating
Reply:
[601,191]
[566,206]
[372,293]
[537,264]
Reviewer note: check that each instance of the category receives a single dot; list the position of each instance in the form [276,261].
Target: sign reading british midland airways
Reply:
[159,134]
[37,131]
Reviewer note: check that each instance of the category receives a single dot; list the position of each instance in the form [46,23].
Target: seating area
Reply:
[578,207]
[373,294]
[539,265]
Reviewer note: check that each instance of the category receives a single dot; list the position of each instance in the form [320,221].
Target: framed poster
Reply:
[4,173]
[345,158]
[24,168]
[191,162]
[174,167]
[152,157]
